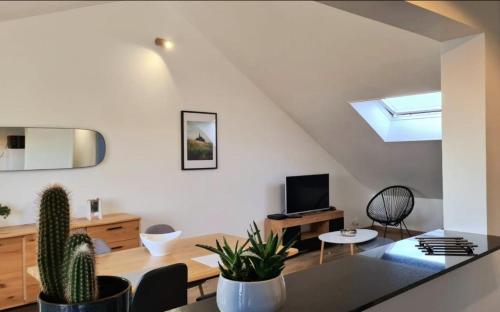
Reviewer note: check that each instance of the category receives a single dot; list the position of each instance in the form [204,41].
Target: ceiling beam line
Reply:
[405,15]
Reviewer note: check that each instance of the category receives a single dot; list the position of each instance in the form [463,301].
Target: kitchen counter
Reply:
[368,278]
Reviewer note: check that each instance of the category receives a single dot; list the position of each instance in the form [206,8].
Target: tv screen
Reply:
[307,193]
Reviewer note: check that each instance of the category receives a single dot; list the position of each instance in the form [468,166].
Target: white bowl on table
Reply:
[160,244]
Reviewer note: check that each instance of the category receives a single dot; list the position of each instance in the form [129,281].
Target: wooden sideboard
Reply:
[18,251]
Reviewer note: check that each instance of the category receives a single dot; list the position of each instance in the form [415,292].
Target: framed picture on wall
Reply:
[199,140]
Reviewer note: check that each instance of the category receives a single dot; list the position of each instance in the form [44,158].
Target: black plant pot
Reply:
[114,296]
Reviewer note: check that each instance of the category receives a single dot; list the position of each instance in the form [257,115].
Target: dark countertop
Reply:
[357,282]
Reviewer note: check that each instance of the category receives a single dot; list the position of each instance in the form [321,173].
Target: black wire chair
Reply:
[391,206]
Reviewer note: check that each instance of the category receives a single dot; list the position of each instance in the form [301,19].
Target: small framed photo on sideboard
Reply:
[94,210]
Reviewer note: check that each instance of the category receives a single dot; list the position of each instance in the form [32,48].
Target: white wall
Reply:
[97,68]
[313,60]
[485,17]
[470,80]
[464,134]
[427,215]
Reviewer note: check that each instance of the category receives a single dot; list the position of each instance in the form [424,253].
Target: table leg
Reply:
[352,249]
[321,252]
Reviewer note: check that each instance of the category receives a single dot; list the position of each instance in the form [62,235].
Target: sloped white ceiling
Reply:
[312,60]
[18,9]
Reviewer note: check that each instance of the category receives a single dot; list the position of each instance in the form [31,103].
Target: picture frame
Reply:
[94,210]
[199,143]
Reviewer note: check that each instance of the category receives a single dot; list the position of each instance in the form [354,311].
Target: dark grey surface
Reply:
[159,229]
[364,280]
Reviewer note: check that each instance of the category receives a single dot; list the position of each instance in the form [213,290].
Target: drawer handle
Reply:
[116,247]
[114,228]
[3,285]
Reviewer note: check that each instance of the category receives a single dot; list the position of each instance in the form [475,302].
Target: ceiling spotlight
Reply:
[167,44]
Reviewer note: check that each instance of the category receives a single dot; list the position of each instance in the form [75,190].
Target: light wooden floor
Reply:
[298,263]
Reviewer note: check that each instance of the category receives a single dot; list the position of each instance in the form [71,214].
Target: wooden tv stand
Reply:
[319,222]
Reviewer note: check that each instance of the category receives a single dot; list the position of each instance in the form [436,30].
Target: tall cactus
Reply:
[81,283]
[66,264]
[53,231]
[72,244]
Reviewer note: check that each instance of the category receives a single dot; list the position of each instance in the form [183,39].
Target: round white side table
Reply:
[362,235]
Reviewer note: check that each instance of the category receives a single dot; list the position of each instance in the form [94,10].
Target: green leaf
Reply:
[271,245]
[209,248]
[227,248]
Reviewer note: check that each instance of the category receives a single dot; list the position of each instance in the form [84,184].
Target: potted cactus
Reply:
[67,264]
[251,276]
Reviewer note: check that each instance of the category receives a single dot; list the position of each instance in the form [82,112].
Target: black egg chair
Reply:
[391,206]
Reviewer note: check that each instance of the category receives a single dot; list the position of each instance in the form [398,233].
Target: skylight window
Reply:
[414,104]
[404,118]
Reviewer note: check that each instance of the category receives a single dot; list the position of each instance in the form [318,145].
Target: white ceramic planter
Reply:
[263,296]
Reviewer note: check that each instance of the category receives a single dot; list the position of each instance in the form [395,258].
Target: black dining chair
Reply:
[391,206]
[162,289]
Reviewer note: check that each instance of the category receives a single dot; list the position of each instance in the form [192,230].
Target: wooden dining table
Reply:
[133,263]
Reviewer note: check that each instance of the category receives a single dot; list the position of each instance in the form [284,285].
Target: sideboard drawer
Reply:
[32,285]
[122,245]
[11,251]
[31,246]
[77,231]
[115,232]
[32,289]
[11,289]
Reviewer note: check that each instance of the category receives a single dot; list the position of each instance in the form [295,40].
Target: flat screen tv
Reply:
[307,193]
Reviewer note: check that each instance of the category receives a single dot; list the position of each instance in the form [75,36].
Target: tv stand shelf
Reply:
[309,234]
[319,222]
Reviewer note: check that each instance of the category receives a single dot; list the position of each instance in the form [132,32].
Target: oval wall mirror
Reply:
[49,148]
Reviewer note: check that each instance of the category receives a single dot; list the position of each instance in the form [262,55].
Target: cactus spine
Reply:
[53,231]
[81,283]
[66,264]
